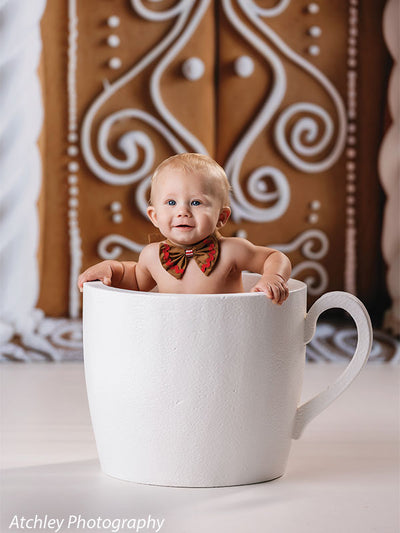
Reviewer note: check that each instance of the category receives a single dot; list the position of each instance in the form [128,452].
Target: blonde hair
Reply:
[196,163]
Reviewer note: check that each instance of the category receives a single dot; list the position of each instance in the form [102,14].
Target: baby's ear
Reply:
[224,215]
[151,213]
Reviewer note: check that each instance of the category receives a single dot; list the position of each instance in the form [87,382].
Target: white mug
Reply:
[202,390]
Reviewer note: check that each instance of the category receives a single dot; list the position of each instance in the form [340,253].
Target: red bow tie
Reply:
[175,258]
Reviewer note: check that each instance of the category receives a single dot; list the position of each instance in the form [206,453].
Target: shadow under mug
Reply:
[202,390]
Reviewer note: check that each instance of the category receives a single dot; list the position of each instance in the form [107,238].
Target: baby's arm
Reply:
[111,273]
[147,258]
[274,266]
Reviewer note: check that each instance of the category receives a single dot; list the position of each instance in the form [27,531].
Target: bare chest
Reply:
[223,279]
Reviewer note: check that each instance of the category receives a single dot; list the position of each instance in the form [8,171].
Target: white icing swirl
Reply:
[117,241]
[314,246]
[130,141]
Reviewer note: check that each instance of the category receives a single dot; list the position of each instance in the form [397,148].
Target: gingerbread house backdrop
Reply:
[290,96]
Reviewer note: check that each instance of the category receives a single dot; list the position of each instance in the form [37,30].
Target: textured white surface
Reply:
[342,476]
[210,383]
[21,115]
[389,168]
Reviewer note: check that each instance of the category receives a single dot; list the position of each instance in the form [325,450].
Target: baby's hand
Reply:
[274,286]
[104,271]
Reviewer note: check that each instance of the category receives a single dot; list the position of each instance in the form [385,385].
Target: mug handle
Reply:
[356,309]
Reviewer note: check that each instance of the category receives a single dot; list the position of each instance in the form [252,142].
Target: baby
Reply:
[189,203]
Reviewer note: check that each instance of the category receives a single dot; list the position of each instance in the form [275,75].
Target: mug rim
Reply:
[294,286]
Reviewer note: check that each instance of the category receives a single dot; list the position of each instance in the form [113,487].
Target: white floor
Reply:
[342,476]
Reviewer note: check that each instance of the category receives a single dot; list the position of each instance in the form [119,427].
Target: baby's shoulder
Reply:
[234,243]
[149,251]
[233,247]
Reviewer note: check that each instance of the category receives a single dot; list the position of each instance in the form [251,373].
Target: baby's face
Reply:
[186,207]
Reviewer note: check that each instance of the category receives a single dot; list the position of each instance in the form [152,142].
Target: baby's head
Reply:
[200,165]
[189,196]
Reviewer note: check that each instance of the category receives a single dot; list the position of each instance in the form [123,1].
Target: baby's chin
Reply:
[185,237]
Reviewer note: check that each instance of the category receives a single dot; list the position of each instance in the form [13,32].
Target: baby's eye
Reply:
[195,202]
[171,202]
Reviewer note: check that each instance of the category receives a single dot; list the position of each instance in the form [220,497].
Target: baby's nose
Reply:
[184,210]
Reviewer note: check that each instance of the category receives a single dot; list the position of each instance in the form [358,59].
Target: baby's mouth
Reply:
[183,226]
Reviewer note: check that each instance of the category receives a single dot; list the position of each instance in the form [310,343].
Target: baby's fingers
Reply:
[281,292]
[265,289]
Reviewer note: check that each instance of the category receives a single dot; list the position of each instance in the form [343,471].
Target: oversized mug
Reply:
[202,390]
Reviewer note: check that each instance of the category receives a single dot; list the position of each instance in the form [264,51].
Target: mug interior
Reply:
[249,279]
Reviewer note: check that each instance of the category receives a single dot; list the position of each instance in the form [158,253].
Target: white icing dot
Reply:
[315,31]
[73,191]
[242,233]
[113,41]
[72,151]
[193,68]
[351,223]
[113,21]
[313,8]
[351,153]
[352,113]
[315,205]
[72,213]
[72,179]
[73,202]
[313,50]
[73,166]
[351,177]
[350,211]
[351,140]
[352,51]
[351,166]
[115,206]
[351,188]
[313,218]
[117,218]
[244,66]
[351,200]
[72,223]
[115,63]
[352,128]
[72,137]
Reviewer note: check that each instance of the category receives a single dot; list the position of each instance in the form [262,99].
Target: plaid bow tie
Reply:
[175,258]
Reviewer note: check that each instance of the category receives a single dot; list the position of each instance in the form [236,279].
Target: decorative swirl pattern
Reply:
[306,241]
[20,166]
[129,143]
[131,140]
[335,344]
[56,339]
[118,241]
[254,12]
[316,285]
[292,151]
[242,208]
[309,128]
